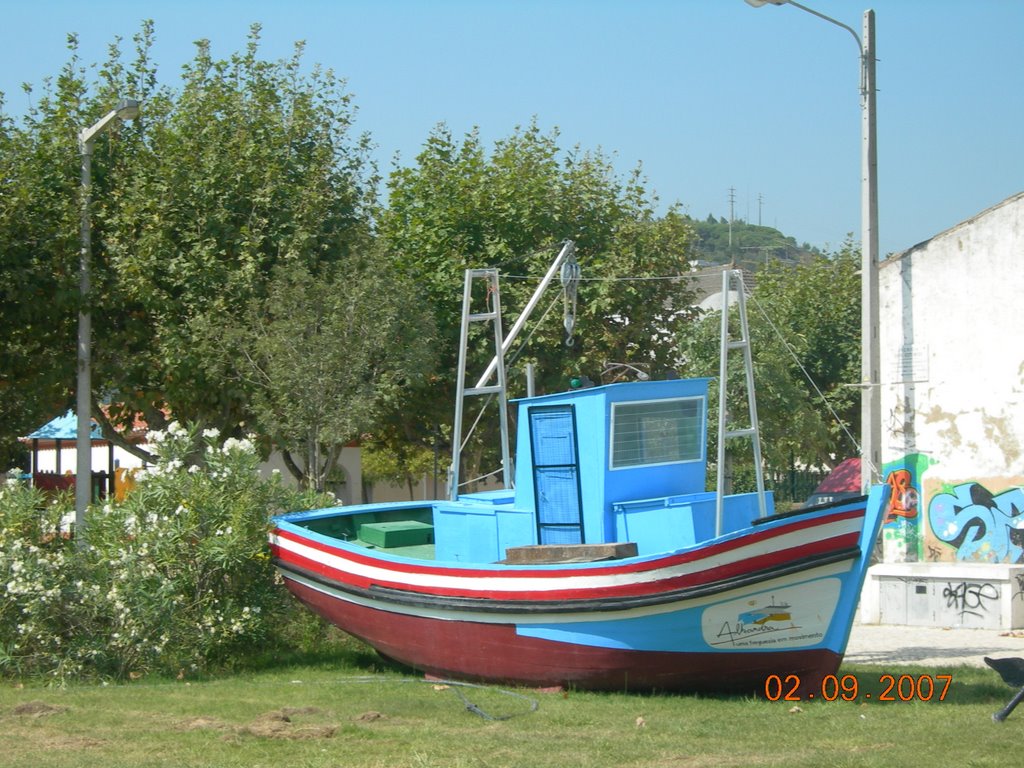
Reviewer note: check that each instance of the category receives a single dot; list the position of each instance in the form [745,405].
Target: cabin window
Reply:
[657,432]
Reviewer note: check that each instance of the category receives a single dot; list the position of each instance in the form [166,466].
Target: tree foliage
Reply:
[817,308]
[39,247]
[322,354]
[250,164]
[463,205]
[802,319]
[750,246]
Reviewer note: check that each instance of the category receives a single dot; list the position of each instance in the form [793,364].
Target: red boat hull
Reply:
[496,653]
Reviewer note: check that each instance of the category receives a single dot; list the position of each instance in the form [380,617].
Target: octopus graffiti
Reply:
[964,521]
[979,525]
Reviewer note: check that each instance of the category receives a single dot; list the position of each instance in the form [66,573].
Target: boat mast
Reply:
[491,314]
[566,255]
[753,431]
[502,344]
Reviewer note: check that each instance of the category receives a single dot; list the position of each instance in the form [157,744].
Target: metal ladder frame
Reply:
[753,431]
[491,314]
[502,344]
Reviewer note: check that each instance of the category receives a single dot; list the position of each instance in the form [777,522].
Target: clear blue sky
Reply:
[708,94]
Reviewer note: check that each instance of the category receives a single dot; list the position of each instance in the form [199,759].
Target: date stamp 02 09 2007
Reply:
[848,688]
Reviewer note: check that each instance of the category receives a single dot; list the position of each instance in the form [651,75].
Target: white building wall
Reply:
[952,348]
[350,488]
[47,458]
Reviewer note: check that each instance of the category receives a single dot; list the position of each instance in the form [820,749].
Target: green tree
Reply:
[250,164]
[322,354]
[400,463]
[462,205]
[817,307]
[40,197]
[805,338]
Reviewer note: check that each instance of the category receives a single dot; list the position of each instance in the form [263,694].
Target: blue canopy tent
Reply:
[53,435]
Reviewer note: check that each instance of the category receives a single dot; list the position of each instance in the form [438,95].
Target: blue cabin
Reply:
[622,462]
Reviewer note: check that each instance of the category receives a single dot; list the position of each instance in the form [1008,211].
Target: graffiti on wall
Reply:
[902,539]
[979,525]
[970,598]
[904,497]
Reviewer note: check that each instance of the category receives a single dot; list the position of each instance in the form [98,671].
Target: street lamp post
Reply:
[871,410]
[126,109]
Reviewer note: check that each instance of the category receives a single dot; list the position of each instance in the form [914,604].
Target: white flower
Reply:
[213,433]
[233,444]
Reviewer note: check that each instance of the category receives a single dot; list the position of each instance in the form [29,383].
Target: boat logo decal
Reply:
[793,617]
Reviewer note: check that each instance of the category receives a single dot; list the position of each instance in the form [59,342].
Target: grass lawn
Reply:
[349,711]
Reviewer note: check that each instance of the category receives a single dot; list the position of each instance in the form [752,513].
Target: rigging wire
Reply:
[490,398]
[536,279]
[699,280]
[807,375]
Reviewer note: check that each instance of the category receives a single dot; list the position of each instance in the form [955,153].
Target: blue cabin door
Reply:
[556,475]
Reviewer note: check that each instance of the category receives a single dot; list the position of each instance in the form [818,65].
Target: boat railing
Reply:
[676,522]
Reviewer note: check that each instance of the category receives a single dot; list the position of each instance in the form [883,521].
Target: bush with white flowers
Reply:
[176,578]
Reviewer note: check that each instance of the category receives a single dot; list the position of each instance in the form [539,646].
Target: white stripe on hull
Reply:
[561,581]
[443,614]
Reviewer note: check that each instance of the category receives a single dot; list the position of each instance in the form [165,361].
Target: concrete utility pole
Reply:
[732,209]
[126,109]
[871,409]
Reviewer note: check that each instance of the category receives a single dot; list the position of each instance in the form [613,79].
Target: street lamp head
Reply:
[759,3]
[127,109]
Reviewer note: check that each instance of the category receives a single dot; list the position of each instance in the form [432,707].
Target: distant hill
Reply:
[752,246]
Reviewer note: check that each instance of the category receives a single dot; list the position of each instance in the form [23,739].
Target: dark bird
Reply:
[1011,670]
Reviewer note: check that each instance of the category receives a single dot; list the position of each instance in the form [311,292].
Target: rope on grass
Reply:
[476,710]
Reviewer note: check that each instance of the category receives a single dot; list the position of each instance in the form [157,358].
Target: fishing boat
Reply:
[601,562]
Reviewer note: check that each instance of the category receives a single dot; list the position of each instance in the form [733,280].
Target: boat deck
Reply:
[414,551]
[491,529]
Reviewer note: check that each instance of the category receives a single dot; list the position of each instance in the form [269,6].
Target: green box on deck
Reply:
[400,533]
